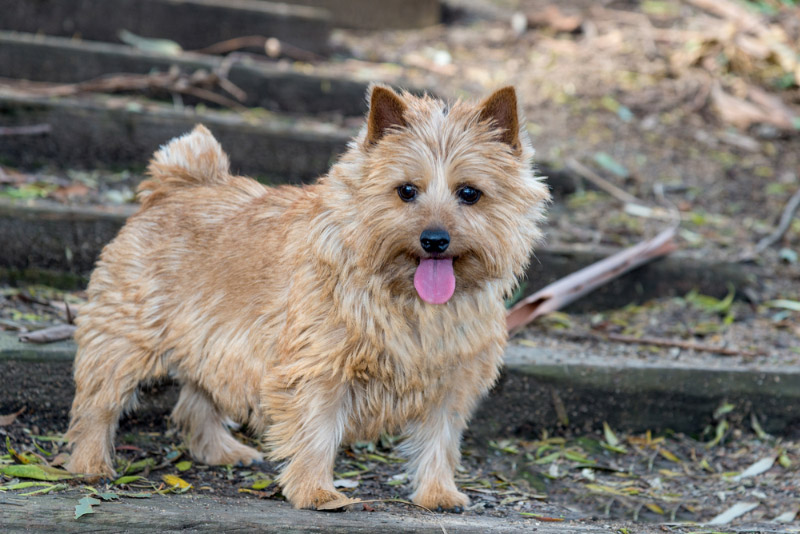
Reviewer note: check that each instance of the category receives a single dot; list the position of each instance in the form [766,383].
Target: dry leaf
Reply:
[6,420]
[174,480]
[738,509]
[338,504]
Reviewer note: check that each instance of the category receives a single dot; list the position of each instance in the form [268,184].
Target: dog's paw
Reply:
[441,499]
[92,471]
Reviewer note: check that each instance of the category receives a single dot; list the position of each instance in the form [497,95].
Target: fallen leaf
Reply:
[345,483]
[84,507]
[261,484]
[6,420]
[653,507]
[761,466]
[611,438]
[669,456]
[540,517]
[337,504]
[174,480]
[183,466]
[786,517]
[36,472]
[738,509]
[127,479]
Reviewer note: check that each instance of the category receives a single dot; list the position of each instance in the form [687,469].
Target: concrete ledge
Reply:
[189,513]
[60,60]
[118,133]
[386,14]
[46,235]
[538,387]
[193,24]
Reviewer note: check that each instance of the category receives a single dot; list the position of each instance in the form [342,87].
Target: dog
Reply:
[370,301]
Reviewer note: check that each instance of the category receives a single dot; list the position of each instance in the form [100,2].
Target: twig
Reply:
[173,82]
[602,183]
[49,335]
[570,288]
[783,225]
[272,47]
[33,129]
[687,345]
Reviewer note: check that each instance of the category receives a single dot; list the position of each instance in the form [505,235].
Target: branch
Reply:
[33,129]
[783,225]
[570,288]
[49,335]
[688,345]
[602,183]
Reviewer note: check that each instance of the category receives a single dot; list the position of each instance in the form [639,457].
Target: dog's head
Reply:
[443,197]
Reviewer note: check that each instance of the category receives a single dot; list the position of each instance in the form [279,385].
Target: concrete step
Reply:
[538,388]
[267,85]
[194,24]
[45,235]
[201,514]
[116,132]
[383,15]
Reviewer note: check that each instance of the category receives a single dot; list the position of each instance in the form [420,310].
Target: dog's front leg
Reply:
[432,446]
[307,428]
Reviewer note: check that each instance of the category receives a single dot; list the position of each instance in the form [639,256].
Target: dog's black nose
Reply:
[434,240]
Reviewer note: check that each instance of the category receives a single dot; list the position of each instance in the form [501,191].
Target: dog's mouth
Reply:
[434,279]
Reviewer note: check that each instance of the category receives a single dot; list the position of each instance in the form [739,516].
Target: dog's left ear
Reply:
[501,109]
[386,110]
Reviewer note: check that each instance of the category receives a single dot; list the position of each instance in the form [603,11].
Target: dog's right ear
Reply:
[386,111]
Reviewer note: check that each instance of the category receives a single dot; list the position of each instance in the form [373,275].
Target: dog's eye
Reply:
[468,195]
[407,192]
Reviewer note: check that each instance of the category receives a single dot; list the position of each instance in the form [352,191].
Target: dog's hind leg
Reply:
[205,431]
[107,373]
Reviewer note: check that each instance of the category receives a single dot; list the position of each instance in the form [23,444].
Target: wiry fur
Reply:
[293,309]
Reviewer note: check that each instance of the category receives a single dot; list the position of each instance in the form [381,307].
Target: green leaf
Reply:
[107,496]
[141,465]
[84,507]
[611,165]
[147,44]
[127,479]
[786,304]
[549,458]
[611,438]
[48,489]
[36,472]
[261,484]
[183,466]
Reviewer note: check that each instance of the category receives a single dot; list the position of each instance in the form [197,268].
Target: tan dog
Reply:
[370,301]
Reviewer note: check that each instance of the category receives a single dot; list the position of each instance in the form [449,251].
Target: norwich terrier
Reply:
[370,301]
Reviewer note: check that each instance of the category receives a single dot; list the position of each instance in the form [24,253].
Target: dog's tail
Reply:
[194,159]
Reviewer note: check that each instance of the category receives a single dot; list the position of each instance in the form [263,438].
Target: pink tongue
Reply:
[434,280]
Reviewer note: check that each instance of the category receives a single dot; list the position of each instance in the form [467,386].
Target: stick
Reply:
[570,288]
[602,183]
[272,47]
[33,129]
[688,345]
[783,225]
[49,335]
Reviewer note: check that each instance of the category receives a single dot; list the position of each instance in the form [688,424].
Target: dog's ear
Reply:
[501,109]
[386,111]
